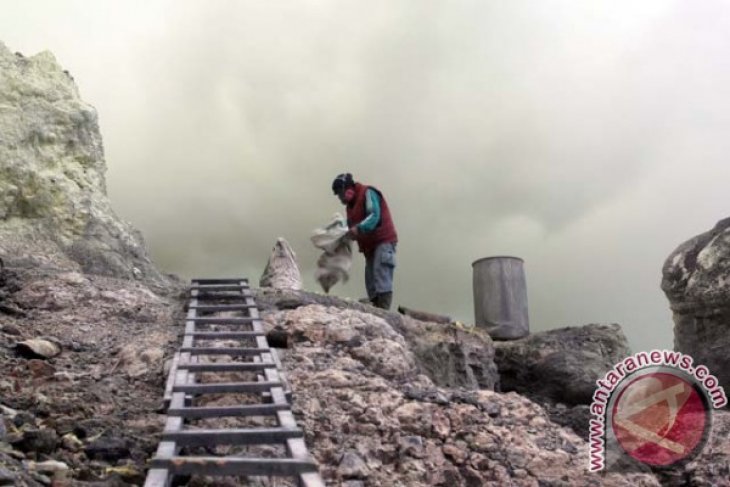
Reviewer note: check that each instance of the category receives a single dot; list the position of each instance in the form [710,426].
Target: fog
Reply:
[588,138]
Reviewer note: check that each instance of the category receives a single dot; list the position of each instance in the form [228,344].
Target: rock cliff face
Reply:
[54,211]
[696,280]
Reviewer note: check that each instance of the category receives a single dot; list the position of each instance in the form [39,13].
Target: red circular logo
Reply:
[660,418]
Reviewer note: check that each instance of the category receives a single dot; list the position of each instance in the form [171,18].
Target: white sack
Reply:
[335,262]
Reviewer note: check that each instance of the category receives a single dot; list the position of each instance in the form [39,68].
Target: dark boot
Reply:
[383,300]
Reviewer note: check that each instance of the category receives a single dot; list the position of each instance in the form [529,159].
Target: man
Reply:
[371,225]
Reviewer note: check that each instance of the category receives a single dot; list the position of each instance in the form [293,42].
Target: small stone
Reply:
[49,466]
[73,278]
[127,472]
[352,466]
[64,425]
[40,368]
[10,330]
[23,417]
[107,448]
[342,334]
[39,441]
[493,410]
[7,477]
[520,473]
[456,454]
[9,412]
[71,442]
[441,398]
[569,447]
[63,376]
[412,446]
[37,348]
[441,424]
[473,477]
[41,478]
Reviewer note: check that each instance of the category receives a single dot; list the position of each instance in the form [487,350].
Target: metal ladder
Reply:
[239,316]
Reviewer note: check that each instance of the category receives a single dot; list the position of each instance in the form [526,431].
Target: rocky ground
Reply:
[90,414]
[385,400]
[373,418]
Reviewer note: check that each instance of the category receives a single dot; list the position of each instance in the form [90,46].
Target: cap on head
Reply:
[342,182]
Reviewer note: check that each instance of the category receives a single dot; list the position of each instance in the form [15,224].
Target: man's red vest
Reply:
[383,233]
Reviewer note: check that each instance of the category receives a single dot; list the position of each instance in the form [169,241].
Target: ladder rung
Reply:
[225,387]
[217,298]
[234,466]
[237,351]
[218,287]
[221,307]
[217,320]
[227,280]
[228,411]
[223,335]
[247,436]
[225,366]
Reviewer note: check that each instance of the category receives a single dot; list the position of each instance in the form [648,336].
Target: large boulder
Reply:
[451,356]
[371,418]
[563,364]
[54,211]
[696,280]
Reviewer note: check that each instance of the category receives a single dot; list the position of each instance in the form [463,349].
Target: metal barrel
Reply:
[500,297]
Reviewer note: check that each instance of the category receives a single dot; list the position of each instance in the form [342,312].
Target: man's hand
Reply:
[353,232]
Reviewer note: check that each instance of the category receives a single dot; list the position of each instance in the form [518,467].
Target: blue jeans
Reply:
[379,270]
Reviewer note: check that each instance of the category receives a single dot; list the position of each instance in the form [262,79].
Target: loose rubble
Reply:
[92,407]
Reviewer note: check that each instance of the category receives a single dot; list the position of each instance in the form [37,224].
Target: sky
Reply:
[588,138]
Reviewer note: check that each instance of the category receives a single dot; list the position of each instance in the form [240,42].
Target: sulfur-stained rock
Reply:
[71,270]
[138,359]
[54,211]
[282,270]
